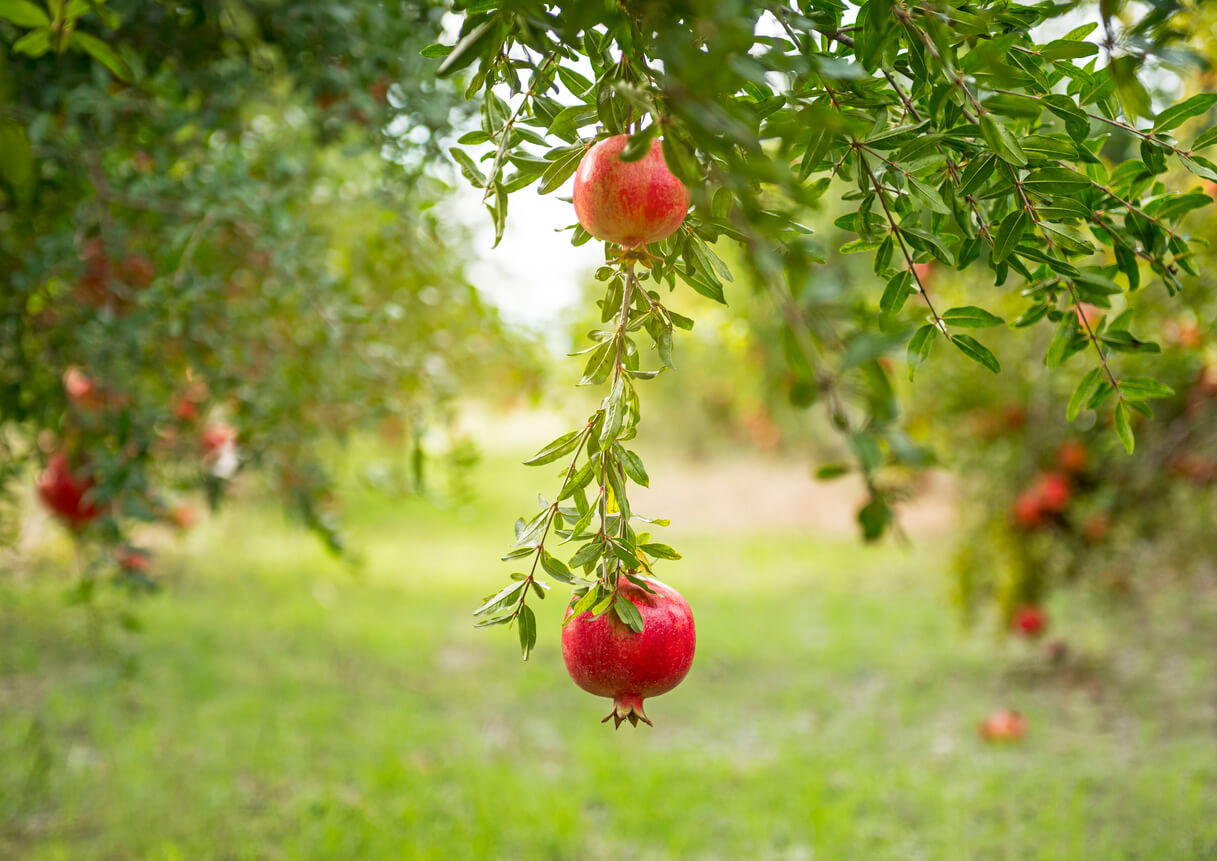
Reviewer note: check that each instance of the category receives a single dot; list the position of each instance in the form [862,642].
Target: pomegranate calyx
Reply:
[627,707]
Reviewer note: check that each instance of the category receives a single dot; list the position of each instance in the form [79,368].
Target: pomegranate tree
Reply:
[607,657]
[628,203]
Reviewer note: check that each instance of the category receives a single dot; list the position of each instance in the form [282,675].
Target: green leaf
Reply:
[928,195]
[468,167]
[1205,139]
[560,171]
[898,288]
[659,551]
[1198,165]
[1003,141]
[919,346]
[564,444]
[971,317]
[1176,115]
[632,464]
[16,159]
[977,352]
[681,161]
[1085,389]
[528,630]
[1144,388]
[102,53]
[35,43]
[556,568]
[435,50]
[628,613]
[1009,232]
[23,13]
[1124,427]
[585,603]
[507,595]
[831,471]
[470,48]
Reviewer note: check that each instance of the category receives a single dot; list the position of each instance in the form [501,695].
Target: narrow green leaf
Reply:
[564,444]
[23,13]
[977,352]
[1144,388]
[919,346]
[971,317]
[468,49]
[507,595]
[556,568]
[1009,232]
[1176,115]
[1085,389]
[898,288]
[528,630]
[1124,427]
[632,464]
[659,551]
[102,53]
[1003,141]
[628,613]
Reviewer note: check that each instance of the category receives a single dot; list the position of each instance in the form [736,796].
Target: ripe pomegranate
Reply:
[1089,314]
[606,658]
[1004,725]
[923,271]
[1028,512]
[136,560]
[1053,490]
[63,492]
[1072,456]
[183,515]
[629,203]
[218,436]
[1030,620]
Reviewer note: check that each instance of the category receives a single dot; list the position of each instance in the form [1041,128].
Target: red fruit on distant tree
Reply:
[607,658]
[217,436]
[64,492]
[1028,512]
[133,559]
[1073,456]
[923,271]
[183,515]
[629,203]
[1004,725]
[1054,491]
[1030,620]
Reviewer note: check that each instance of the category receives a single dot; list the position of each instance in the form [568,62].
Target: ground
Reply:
[276,704]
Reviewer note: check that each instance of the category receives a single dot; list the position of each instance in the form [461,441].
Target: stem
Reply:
[895,229]
[1073,295]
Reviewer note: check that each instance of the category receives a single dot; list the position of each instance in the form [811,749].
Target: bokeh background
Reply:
[249,300]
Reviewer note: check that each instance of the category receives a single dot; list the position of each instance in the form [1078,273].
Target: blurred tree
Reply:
[218,251]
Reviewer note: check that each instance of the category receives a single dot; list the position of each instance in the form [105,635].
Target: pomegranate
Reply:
[1053,491]
[1073,456]
[1004,725]
[629,203]
[1030,620]
[135,560]
[607,658]
[1028,512]
[218,436]
[63,492]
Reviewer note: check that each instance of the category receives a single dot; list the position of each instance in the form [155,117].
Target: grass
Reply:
[275,705]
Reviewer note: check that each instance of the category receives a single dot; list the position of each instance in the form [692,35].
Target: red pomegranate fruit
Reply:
[1004,725]
[1028,512]
[629,203]
[1073,457]
[63,492]
[1030,620]
[1054,492]
[607,658]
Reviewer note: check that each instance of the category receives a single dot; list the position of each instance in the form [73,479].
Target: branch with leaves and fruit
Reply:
[954,134]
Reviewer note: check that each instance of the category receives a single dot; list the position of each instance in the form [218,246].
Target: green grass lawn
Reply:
[275,705]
